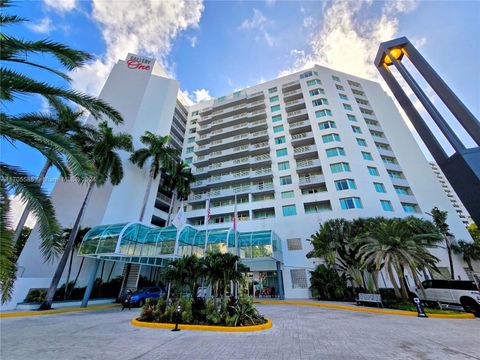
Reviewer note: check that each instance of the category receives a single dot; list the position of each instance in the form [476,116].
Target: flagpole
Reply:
[236,244]
[207,220]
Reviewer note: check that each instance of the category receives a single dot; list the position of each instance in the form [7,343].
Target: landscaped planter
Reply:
[249,328]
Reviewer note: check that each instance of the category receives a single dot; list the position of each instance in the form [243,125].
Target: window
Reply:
[262,197]
[337,151]
[192,131]
[317,207]
[395,174]
[191,139]
[189,149]
[361,142]
[371,122]
[322,113]
[188,160]
[345,184]
[285,180]
[299,278]
[193,122]
[340,167]
[272,90]
[314,82]
[282,152]
[354,83]
[343,96]
[318,91]
[386,205]
[389,160]
[402,190]
[277,129]
[356,130]
[351,117]
[314,190]
[377,133]
[237,94]
[335,78]
[326,125]
[289,210]
[379,187]
[277,118]
[195,113]
[409,208]
[288,194]
[367,155]
[339,87]
[383,146]
[294,244]
[280,140]
[318,102]
[274,98]
[351,203]
[347,107]
[285,165]
[307,74]
[330,137]
[373,171]
[275,108]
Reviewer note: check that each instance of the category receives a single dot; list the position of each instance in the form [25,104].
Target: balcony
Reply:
[223,122]
[297,115]
[294,105]
[305,138]
[303,152]
[259,148]
[299,127]
[292,95]
[386,152]
[379,139]
[258,114]
[292,85]
[394,167]
[307,165]
[400,182]
[256,96]
[410,199]
[307,181]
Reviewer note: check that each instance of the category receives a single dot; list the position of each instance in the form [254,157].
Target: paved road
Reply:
[297,333]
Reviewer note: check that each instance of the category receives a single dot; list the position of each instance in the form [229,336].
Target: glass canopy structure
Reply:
[143,244]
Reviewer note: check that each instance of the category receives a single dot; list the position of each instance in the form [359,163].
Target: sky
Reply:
[216,47]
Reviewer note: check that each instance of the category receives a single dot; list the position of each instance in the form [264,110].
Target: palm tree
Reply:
[177,182]
[160,156]
[63,120]
[392,244]
[440,220]
[470,251]
[186,271]
[102,147]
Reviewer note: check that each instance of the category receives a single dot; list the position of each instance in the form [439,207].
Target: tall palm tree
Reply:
[440,221]
[161,156]
[102,147]
[63,120]
[392,245]
[470,251]
[177,181]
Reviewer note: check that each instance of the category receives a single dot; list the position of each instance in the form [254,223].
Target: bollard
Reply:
[177,318]
[420,309]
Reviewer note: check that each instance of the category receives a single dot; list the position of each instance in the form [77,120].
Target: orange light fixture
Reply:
[396,53]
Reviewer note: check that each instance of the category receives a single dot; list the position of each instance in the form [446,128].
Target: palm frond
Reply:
[48,68]
[7,254]
[39,204]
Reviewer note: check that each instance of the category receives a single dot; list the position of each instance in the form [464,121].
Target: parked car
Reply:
[456,292]
[138,297]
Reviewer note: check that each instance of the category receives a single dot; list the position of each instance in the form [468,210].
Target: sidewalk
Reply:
[60,310]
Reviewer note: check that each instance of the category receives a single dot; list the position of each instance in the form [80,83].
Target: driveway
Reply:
[297,333]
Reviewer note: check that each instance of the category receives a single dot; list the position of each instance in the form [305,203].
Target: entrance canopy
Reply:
[144,244]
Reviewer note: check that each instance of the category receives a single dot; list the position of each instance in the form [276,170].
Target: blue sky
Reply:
[218,46]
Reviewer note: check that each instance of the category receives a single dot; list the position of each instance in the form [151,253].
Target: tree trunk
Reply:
[47,304]
[78,274]
[69,273]
[147,192]
[170,209]
[26,211]
[450,260]
[393,281]
[403,284]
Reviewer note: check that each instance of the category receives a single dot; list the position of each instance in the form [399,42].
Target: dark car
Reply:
[138,297]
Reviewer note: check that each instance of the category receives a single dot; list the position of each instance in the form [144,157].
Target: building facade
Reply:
[452,196]
[287,155]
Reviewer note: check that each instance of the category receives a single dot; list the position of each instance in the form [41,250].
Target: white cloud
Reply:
[16,210]
[147,27]
[43,26]
[258,22]
[198,95]
[308,21]
[61,5]
[193,41]
[346,41]
[270,3]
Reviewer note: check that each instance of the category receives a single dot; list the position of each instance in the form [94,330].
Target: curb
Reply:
[51,312]
[251,328]
[377,311]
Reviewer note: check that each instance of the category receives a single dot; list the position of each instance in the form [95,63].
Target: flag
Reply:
[208,211]
[179,220]
[235,215]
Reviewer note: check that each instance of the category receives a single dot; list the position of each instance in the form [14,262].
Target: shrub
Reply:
[328,284]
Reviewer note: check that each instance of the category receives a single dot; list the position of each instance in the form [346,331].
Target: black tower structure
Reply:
[462,169]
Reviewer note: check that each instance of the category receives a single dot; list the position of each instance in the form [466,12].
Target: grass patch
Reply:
[410,307]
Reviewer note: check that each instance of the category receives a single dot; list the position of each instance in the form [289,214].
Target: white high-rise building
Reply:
[451,194]
[287,154]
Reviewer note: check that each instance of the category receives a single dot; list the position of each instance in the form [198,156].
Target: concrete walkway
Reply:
[301,332]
